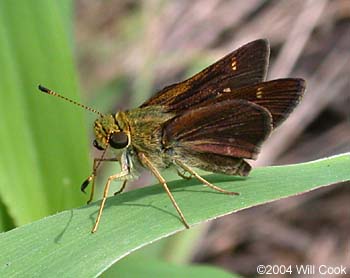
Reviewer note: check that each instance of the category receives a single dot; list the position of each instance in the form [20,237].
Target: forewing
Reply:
[279,96]
[244,66]
[234,128]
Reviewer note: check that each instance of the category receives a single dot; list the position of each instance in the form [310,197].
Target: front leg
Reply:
[120,176]
[92,177]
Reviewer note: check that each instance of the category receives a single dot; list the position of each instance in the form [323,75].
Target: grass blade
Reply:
[43,141]
[140,217]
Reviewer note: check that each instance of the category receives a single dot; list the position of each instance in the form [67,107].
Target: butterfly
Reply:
[214,121]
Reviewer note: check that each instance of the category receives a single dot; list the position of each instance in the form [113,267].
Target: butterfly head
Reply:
[109,133]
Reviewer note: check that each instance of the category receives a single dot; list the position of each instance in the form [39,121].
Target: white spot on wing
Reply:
[234,64]
[259,93]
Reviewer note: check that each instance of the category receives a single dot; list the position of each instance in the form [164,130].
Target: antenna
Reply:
[52,93]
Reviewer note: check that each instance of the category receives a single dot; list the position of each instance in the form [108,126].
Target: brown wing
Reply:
[244,66]
[233,128]
[279,96]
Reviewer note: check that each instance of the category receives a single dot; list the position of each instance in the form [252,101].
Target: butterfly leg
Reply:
[183,175]
[162,181]
[121,175]
[212,186]
[121,188]
[92,177]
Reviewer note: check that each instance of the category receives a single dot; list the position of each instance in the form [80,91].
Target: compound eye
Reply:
[97,146]
[118,140]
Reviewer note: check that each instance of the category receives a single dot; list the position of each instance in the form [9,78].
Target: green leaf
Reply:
[43,141]
[137,218]
[145,267]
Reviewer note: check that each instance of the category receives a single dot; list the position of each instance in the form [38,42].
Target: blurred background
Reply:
[123,52]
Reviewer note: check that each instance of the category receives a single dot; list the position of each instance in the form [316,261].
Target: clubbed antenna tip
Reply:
[43,89]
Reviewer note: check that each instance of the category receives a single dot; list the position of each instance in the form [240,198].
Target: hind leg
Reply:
[212,186]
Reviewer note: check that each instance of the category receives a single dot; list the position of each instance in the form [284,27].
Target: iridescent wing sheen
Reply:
[244,66]
[222,128]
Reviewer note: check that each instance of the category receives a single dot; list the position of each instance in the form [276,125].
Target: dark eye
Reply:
[97,146]
[118,140]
